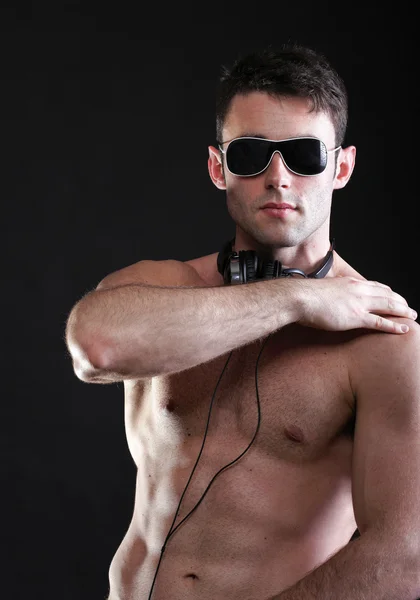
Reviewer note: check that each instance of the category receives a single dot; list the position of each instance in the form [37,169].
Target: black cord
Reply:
[192,473]
[289,272]
[171,532]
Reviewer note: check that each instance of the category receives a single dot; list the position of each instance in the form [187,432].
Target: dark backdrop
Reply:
[107,115]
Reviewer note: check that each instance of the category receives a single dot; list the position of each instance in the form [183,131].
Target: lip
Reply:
[281,206]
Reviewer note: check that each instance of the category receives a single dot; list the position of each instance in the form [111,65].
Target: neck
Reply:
[307,256]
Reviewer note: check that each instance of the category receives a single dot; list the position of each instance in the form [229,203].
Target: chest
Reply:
[291,391]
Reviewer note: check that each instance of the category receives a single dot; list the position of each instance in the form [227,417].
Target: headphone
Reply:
[246,265]
[239,267]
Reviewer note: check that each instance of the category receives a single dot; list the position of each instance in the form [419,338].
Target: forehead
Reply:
[258,114]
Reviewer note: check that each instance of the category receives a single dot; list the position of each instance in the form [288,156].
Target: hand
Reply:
[343,303]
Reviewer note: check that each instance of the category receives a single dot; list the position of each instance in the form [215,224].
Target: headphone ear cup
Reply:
[268,269]
[245,265]
[250,264]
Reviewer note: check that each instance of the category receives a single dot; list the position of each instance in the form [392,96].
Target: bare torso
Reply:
[275,514]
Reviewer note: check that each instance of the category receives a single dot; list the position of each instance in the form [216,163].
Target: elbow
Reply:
[89,363]
[100,356]
[90,357]
[86,368]
[96,360]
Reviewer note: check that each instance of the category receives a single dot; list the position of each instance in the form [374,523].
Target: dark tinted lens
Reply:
[248,156]
[305,156]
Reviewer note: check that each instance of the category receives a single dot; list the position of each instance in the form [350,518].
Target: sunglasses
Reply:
[248,156]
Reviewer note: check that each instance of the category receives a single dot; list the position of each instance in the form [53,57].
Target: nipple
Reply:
[294,433]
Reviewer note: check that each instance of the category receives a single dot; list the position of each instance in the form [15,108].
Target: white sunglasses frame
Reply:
[274,152]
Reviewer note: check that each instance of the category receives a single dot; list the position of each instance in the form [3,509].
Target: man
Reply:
[268,420]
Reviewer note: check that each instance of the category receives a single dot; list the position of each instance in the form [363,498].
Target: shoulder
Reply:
[171,273]
[206,267]
[342,268]
[385,358]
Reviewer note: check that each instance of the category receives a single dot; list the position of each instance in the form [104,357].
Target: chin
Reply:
[275,240]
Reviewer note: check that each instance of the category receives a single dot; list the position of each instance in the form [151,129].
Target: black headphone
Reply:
[245,266]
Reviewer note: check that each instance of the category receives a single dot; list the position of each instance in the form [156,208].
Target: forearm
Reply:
[362,570]
[138,330]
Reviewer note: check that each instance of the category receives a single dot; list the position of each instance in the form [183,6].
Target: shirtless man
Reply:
[268,420]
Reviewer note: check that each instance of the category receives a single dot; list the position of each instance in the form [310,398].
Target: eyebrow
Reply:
[246,134]
[254,134]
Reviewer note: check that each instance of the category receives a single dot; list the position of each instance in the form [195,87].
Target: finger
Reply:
[382,324]
[378,284]
[389,293]
[400,299]
[391,306]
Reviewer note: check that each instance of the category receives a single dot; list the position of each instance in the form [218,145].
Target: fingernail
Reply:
[413,312]
[404,328]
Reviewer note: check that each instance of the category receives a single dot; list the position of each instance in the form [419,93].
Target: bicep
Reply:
[386,456]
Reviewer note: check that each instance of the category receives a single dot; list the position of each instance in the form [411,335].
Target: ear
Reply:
[345,166]
[215,167]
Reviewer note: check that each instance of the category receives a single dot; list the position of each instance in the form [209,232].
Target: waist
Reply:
[204,564]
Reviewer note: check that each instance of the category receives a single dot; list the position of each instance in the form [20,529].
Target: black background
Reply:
[107,112]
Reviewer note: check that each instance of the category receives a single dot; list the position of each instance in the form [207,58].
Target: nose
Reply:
[277,175]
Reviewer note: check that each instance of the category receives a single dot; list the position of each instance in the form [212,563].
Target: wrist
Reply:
[299,300]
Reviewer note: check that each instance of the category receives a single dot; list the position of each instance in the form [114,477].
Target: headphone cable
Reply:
[172,531]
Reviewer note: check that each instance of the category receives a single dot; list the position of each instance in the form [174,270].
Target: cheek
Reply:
[320,186]
[243,190]
[319,199]
[239,200]
[235,202]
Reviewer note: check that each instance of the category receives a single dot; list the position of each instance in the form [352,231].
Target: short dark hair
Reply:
[291,70]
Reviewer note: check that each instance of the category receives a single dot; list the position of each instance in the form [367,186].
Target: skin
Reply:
[301,239]
[337,446]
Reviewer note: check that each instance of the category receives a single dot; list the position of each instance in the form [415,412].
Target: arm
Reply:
[159,317]
[384,562]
